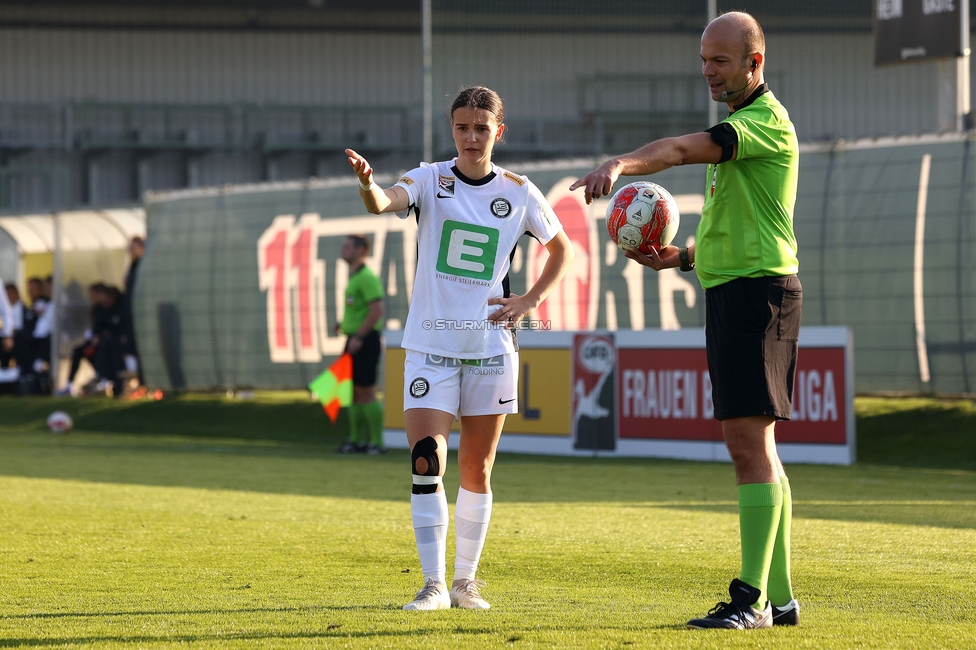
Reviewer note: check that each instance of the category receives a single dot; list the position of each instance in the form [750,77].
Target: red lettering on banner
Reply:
[301,262]
[290,272]
[667,394]
[568,306]
[273,264]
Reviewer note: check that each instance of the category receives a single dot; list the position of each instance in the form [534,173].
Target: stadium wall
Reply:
[240,286]
[568,92]
[827,79]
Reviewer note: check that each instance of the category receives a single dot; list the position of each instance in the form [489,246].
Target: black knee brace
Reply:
[426,482]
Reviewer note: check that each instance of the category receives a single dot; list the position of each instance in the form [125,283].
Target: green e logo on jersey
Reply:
[467,250]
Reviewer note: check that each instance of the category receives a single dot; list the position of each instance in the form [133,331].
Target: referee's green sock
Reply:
[780,584]
[374,417]
[760,505]
[357,424]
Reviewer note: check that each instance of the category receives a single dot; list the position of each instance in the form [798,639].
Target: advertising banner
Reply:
[667,395]
[594,390]
[241,287]
[648,394]
[544,384]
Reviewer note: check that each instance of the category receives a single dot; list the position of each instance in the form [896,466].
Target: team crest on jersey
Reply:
[419,387]
[501,208]
[445,187]
[406,180]
[515,179]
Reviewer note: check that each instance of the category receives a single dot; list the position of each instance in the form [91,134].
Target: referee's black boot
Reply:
[788,614]
[738,614]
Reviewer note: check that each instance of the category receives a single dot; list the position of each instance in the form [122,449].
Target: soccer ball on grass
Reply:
[641,216]
[59,422]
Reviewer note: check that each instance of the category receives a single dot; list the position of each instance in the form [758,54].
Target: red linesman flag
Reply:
[334,386]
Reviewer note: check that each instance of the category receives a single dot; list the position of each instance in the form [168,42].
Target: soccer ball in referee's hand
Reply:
[641,216]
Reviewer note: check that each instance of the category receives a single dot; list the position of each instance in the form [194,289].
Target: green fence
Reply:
[240,286]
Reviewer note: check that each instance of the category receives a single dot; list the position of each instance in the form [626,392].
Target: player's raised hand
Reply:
[598,182]
[361,167]
[666,259]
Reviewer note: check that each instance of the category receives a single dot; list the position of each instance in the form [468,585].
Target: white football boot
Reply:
[433,596]
[467,595]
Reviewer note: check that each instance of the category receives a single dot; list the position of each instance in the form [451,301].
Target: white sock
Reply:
[430,519]
[471,516]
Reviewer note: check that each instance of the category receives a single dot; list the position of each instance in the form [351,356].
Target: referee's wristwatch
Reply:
[686,264]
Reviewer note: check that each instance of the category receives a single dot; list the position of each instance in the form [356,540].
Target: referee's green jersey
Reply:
[746,229]
[363,288]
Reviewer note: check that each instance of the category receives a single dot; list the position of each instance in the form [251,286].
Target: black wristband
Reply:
[686,264]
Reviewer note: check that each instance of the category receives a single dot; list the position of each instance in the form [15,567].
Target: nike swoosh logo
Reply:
[506,401]
[445,196]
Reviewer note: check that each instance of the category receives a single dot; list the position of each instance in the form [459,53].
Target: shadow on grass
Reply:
[330,631]
[197,415]
[195,612]
[287,447]
[935,434]
[335,633]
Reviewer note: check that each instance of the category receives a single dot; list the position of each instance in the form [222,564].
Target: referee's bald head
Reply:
[742,26]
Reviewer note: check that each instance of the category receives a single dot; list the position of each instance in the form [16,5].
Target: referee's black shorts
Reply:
[366,361]
[751,330]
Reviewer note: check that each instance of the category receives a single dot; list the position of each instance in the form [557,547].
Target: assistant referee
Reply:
[362,323]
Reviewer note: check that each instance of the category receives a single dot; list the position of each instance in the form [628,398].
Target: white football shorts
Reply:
[461,386]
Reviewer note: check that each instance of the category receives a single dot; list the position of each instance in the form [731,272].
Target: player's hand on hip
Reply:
[512,309]
[360,166]
[598,182]
[353,345]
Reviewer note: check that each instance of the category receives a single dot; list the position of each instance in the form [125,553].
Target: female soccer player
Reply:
[461,353]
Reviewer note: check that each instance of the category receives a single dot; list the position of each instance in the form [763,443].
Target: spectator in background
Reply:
[88,349]
[130,352]
[108,328]
[22,317]
[43,322]
[35,293]
[16,305]
[362,322]
[7,327]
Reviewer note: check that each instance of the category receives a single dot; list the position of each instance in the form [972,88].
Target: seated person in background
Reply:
[37,327]
[23,319]
[108,328]
[7,327]
[88,348]
[16,320]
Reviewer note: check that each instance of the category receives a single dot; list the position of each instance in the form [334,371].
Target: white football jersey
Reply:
[467,232]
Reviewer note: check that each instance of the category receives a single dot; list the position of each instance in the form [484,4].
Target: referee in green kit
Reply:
[745,255]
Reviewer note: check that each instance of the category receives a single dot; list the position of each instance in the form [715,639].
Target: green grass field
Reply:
[206,522]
